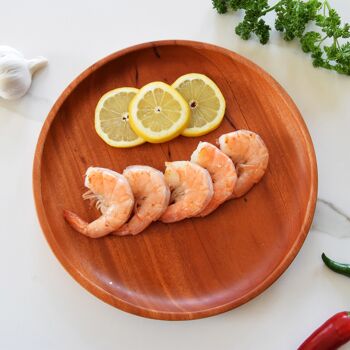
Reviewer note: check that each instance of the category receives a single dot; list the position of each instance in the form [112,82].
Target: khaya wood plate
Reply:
[198,267]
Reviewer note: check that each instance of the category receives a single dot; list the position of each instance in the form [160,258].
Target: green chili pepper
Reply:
[343,269]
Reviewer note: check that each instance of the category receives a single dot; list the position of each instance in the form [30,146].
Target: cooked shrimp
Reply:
[113,197]
[221,170]
[151,198]
[191,190]
[250,156]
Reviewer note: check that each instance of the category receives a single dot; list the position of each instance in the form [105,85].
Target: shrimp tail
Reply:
[76,222]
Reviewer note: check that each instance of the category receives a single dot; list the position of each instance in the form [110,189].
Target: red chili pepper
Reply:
[331,335]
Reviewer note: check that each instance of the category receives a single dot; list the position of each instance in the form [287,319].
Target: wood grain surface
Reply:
[198,267]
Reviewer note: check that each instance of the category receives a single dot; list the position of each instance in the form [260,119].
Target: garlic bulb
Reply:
[16,72]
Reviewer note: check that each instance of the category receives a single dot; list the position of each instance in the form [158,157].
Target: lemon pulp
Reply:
[112,118]
[158,112]
[205,100]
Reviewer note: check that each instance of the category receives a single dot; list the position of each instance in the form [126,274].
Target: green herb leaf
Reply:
[292,18]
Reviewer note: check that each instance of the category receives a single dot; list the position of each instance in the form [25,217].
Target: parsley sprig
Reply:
[326,44]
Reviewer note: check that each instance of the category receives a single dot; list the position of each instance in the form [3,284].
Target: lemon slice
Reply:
[206,102]
[112,118]
[158,112]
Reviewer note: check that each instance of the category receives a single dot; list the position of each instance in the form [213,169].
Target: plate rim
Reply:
[113,299]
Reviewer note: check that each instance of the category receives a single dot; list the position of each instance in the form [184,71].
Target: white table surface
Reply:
[41,306]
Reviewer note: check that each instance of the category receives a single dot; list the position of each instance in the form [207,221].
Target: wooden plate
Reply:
[198,267]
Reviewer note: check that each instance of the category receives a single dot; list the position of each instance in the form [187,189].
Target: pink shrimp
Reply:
[221,170]
[151,198]
[250,156]
[113,197]
[191,190]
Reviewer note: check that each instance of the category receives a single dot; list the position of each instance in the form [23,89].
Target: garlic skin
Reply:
[16,72]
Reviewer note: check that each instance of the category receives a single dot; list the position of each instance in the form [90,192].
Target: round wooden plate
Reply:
[198,267]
